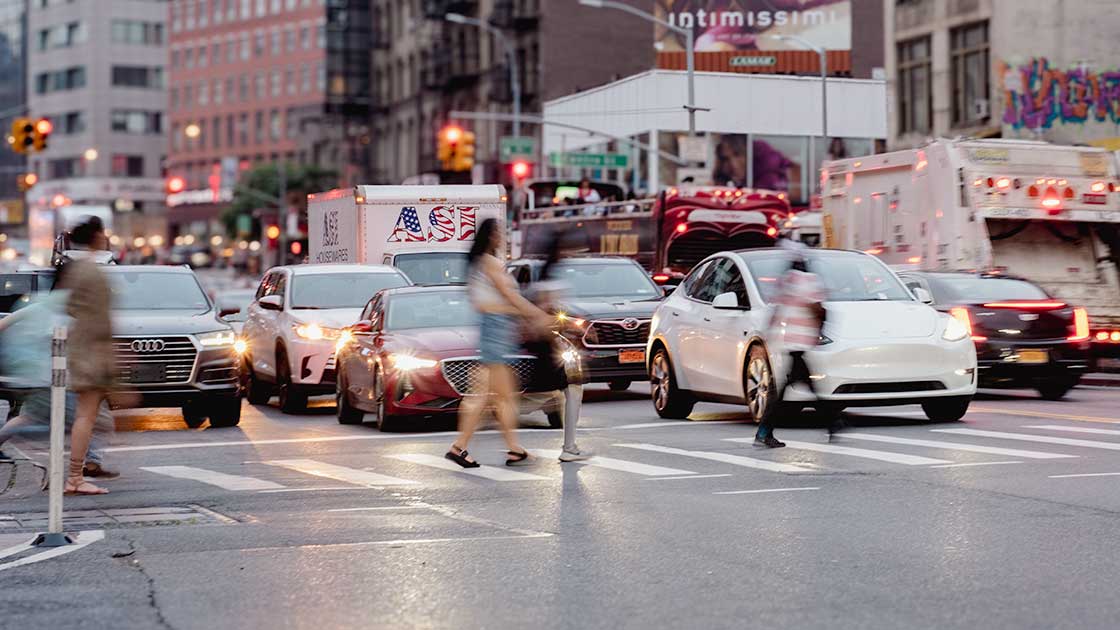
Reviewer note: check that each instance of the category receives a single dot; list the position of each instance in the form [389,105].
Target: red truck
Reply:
[667,234]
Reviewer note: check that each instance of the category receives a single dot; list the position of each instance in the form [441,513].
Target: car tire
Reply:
[224,412]
[668,401]
[619,386]
[292,400]
[257,392]
[555,420]
[194,414]
[759,387]
[347,414]
[946,409]
[1056,390]
[384,422]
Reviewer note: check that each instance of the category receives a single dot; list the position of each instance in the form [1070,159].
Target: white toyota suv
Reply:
[294,323]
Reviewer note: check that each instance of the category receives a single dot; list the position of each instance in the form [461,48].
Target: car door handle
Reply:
[707,319]
[674,313]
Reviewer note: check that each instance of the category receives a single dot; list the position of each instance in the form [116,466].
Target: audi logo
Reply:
[630,323]
[147,345]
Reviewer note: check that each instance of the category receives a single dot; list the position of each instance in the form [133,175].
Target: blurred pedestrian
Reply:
[551,368]
[502,310]
[25,357]
[588,195]
[798,318]
[90,345]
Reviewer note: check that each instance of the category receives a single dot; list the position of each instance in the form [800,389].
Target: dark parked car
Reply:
[1023,336]
[606,313]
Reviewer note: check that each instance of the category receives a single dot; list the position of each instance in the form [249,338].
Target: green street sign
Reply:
[589,160]
[517,147]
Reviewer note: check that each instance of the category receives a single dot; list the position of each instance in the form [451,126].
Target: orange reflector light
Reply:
[913,260]
[1080,325]
[1003,182]
[1098,187]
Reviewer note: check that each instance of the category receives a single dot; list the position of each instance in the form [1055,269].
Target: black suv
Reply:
[606,313]
[173,349]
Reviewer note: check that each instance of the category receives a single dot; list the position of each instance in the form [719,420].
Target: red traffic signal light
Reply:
[176,184]
[521,169]
[273,232]
[297,248]
[452,134]
[44,126]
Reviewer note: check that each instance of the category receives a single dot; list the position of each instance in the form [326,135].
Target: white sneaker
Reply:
[575,455]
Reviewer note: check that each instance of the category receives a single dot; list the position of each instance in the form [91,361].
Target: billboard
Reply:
[721,26]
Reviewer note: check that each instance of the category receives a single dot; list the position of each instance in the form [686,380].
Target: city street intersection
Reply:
[1006,520]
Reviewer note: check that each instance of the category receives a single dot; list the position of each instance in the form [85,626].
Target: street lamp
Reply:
[824,90]
[90,154]
[511,54]
[689,44]
[192,131]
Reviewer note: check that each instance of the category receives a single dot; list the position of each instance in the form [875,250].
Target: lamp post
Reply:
[689,45]
[824,92]
[511,54]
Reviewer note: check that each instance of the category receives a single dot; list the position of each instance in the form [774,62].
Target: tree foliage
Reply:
[260,184]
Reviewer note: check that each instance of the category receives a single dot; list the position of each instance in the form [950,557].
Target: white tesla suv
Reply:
[881,345]
[294,325]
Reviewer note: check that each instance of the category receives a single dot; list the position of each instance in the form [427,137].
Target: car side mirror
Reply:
[271,303]
[726,301]
[923,296]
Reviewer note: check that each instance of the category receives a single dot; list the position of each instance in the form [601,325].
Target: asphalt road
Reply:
[298,522]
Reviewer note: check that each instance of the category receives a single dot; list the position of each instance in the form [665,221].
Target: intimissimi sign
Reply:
[738,25]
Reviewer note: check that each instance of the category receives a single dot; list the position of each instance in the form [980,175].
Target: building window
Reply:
[216,132]
[229,130]
[915,90]
[215,54]
[136,121]
[60,80]
[202,56]
[305,38]
[245,47]
[72,123]
[127,165]
[258,128]
[231,96]
[258,85]
[274,126]
[204,93]
[274,83]
[290,39]
[970,73]
[243,129]
[217,95]
[64,168]
[275,39]
[138,76]
[137,33]
[305,78]
[62,36]
[290,81]
[243,87]
[259,44]
[321,35]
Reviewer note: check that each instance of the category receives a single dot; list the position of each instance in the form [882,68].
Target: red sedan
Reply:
[414,354]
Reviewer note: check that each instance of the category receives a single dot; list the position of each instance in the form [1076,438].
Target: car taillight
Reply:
[1030,305]
[660,278]
[1080,325]
[965,317]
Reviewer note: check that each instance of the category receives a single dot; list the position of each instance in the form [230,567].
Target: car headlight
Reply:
[240,346]
[571,324]
[407,362]
[315,332]
[217,339]
[344,337]
[955,330]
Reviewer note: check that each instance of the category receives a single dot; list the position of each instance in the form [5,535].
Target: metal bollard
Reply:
[54,537]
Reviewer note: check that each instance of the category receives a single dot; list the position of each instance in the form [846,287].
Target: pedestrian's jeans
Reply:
[35,419]
[798,373]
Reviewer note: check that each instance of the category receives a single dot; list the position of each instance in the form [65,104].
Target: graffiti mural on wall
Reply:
[1036,96]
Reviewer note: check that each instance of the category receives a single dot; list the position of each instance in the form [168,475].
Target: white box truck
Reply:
[425,231]
[1044,212]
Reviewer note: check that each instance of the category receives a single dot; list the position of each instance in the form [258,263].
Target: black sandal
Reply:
[517,459]
[461,457]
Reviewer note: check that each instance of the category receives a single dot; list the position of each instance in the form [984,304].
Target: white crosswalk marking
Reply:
[835,449]
[1060,427]
[486,472]
[339,473]
[210,477]
[1027,437]
[955,446]
[647,470]
[727,458]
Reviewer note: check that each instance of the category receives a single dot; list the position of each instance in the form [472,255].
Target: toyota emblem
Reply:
[147,345]
[630,323]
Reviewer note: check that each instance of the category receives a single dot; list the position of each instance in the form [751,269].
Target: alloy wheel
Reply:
[758,386]
[660,381]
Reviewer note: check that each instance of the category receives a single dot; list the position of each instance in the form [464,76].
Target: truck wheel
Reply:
[194,414]
[257,392]
[668,401]
[1056,389]
[347,414]
[224,411]
[946,409]
[619,386]
[292,400]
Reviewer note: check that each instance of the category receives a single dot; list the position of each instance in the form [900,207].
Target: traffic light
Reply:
[272,232]
[25,181]
[521,170]
[176,184]
[456,149]
[41,133]
[23,131]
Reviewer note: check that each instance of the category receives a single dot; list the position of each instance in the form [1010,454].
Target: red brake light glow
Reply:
[1080,325]
[662,278]
[682,228]
[1030,305]
[771,231]
[963,316]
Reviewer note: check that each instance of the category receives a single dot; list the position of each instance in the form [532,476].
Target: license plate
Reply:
[631,356]
[1034,356]
[1097,198]
[147,373]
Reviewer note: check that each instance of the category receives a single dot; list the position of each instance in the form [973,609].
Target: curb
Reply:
[1101,380]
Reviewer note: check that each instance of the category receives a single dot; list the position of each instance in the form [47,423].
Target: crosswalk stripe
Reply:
[486,472]
[213,478]
[835,449]
[339,473]
[1059,427]
[726,458]
[1027,437]
[623,465]
[955,446]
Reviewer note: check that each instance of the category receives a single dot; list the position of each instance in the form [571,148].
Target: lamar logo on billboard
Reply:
[444,223]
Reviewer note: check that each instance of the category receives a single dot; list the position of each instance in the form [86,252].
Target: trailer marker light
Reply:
[1040,181]
[1102,335]
[1068,193]
[1052,202]
[1080,325]
[977,182]
[1114,336]
[991,182]
[1032,191]
[1003,183]
[913,260]
[1052,181]
[1097,187]
[1062,182]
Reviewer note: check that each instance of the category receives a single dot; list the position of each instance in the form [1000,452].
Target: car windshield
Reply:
[340,290]
[976,289]
[433,268]
[438,309]
[846,277]
[153,290]
[14,290]
[235,299]
[623,280]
